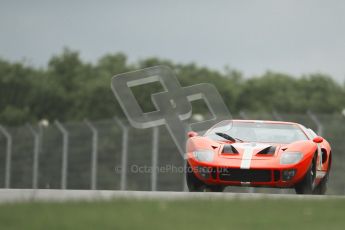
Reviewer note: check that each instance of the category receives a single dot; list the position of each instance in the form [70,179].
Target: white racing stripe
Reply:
[247,157]
[248,153]
[319,166]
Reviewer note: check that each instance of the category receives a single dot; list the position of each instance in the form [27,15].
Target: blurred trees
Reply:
[70,89]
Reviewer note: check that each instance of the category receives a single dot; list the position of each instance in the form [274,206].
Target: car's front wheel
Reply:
[196,185]
[306,185]
[321,188]
[215,188]
[193,183]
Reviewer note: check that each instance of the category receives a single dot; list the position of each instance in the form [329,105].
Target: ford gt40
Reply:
[258,154]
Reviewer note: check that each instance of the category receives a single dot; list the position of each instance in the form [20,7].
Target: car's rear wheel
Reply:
[306,185]
[196,185]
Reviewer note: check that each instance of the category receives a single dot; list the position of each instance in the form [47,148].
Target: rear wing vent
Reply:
[268,151]
[229,149]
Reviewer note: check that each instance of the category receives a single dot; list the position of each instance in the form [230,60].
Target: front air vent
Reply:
[214,173]
[268,151]
[245,175]
[229,149]
[276,174]
[214,147]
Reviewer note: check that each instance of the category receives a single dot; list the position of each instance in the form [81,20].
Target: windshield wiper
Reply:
[228,137]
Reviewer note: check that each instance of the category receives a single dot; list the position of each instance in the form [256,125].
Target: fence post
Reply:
[8,156]
[124,154]
[94,154]
[276,115]
[65,137]
[243,115]
[155,147]
[36,150]
[317,122]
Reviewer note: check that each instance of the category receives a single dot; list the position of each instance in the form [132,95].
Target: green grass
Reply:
[193,214]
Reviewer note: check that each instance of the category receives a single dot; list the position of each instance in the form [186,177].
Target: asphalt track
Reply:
[28,195]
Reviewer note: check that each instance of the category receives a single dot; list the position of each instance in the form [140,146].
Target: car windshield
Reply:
[256,132]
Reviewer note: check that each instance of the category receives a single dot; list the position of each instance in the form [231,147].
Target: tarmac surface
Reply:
[58,195]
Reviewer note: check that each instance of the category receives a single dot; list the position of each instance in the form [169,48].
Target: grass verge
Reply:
[181,214]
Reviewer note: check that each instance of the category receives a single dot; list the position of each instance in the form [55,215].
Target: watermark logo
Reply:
[173,105]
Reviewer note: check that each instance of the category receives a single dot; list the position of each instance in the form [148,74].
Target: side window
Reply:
[310,133]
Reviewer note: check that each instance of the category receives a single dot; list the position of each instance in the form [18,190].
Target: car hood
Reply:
[255,149]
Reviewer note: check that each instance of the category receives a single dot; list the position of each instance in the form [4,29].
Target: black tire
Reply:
[196,185]
[215,188]
[321,188]
[306,185]
[193,183]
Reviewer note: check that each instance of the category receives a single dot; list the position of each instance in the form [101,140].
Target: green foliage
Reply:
[70,89]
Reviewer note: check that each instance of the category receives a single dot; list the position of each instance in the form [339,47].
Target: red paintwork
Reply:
[318,139]
[192,134]
[271,162]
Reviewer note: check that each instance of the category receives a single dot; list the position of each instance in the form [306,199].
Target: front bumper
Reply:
[280,176]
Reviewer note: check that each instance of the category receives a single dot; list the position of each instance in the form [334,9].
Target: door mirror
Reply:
[318,139]
[192,134]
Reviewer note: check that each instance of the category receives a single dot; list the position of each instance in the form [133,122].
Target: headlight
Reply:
[290,158]
[204,155]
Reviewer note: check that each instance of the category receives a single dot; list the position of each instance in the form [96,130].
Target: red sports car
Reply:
[258,153]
